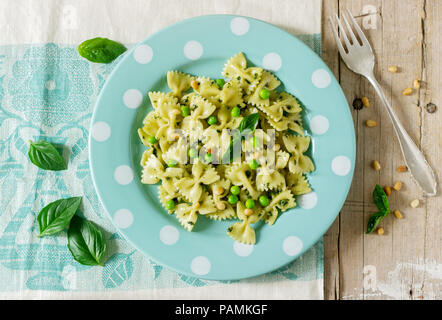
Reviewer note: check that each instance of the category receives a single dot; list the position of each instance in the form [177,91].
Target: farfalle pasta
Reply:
[192,137]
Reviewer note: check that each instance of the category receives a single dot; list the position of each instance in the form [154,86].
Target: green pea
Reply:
[250,204]
[185,111]
[253,164]
[151,139]
[232,199]
[264,94]
[220,83]
[193,153]
[208,157]
[212,120]
[172,163]
[170,205]
[235,112]
[235,190]
[264,201]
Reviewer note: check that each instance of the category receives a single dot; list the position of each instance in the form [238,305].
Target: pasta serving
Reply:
[226,149]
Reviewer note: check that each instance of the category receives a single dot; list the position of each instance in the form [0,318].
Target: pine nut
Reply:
[376,165]
[221,205]
[380,231]
[387,190]
[392,69]
[219,191]
[401,169]
[397,186]
[414,203]
[194,84]
[416,84]
[365,102]
[398,214]
[248,212]
[407,91]
[371,123]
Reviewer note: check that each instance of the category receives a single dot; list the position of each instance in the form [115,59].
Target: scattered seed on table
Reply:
[431,107]
[392,69]
[365,102]
[401,168]
[407,91]
[398,214]
[387,190]
[380,231]
[357,104]
[397,186]
[416,84]
[371,123]
[376,165]
[414,203]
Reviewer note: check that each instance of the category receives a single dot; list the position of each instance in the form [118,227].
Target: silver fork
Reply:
[360,59]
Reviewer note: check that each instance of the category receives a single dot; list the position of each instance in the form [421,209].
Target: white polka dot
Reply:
[100,131]
[308,201]
[123,218]
[143,54]
[132,98]
[50,85]
[292,246]
[169,235]
[123,175]
[319,124]
[239,26]
[243,250]
[200,265]
[193,50]
[321,78]
[272,61]
[341,165]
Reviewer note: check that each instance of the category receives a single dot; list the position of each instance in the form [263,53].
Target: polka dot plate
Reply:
[201,46]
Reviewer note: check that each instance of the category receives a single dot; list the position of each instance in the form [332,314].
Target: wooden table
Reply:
[405,262]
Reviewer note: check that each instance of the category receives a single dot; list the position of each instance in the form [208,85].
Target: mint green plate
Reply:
[201,46]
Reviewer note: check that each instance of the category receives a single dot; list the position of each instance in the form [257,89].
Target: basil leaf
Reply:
[86,242]
[380,199]
[374,220]
[44,155]
[57,215]
[101,50]
[250,122]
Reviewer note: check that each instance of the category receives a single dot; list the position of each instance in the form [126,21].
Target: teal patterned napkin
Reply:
[47,91]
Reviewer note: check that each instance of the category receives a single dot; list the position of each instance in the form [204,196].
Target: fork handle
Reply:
[414,159]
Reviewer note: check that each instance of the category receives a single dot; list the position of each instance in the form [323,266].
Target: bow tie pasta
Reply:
[200,123]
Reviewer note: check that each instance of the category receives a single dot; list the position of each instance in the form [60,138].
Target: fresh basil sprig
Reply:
[57,215]
[44,155]
[101,50]
[248,123]
[86,242]
[381,201]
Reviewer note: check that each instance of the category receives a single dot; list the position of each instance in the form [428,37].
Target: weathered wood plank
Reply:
[431,143]
[331,238]
[404,263]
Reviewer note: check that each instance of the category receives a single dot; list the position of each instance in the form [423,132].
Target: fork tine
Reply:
[335,34]
[350,31]
[344,34]
[358,29]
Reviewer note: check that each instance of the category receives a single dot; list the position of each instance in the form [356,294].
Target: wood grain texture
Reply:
[406,262]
